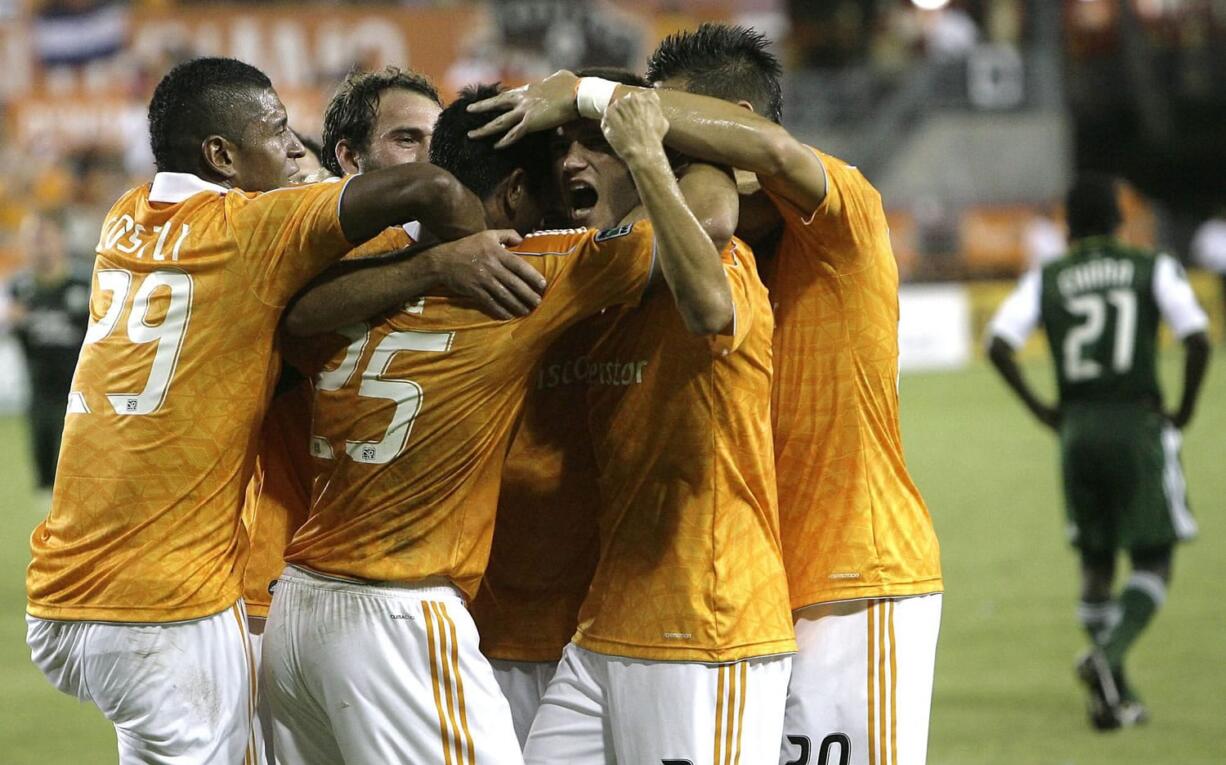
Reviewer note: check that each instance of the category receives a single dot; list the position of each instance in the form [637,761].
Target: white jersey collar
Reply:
[174,188]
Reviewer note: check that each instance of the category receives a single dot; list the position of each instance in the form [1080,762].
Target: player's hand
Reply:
[1049,416]
[530,108]
[634,125]
[478,267]
[1180,419]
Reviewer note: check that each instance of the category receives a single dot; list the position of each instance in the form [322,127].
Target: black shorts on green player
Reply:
[1123,483]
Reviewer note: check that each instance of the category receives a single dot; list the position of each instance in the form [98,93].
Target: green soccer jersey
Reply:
[1100,306]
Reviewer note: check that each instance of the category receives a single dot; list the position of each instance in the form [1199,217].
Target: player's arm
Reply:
[1002,357]
[1180,310]
[475,267]
[416,191]
[688,260]
[702,127]
[1008,330]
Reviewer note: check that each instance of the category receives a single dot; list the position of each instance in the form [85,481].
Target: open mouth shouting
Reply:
[579,199]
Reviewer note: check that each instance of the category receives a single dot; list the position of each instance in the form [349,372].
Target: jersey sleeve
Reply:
[741,275]
[1019,314]
[289,235]
[604,269]
[849,221]
[1176,300]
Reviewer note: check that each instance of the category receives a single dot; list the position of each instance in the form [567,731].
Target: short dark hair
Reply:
[352,112]
[197,99]
[722,61]
[476,163]
[1092,205]
[615,74]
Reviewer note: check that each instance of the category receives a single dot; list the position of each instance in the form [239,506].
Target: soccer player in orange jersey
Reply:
[862,557]
[689,599]
[369,653]
[134,587]
[374,121]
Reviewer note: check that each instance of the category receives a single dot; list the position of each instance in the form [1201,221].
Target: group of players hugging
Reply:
[563,424]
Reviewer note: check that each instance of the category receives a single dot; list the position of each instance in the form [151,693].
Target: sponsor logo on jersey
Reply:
[585,371]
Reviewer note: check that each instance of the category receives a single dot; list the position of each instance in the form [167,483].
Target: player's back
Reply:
[1100,312]
[853,522]
[172,380]
[414,411]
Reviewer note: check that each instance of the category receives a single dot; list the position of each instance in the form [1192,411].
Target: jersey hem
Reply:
[105,614]
[865,592]
[765,649]
[513,653]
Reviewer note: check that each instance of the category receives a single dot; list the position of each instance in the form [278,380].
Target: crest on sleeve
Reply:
[613,233]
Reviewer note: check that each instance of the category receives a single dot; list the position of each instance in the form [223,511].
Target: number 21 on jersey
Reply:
[168,333]
[1092,309]
[407,395]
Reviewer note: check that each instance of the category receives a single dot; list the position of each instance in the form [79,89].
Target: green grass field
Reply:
[1004,693]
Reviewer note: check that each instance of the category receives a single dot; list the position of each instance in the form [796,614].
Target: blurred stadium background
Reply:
[970,116]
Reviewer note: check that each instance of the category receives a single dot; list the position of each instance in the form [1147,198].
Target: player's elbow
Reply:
[709,315]
[297,322]
[779,152]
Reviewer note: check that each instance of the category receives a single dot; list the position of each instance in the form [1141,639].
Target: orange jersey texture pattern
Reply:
[853,522]
[690,562]
[278,497]
[168,397]
[414,413]
[545,542]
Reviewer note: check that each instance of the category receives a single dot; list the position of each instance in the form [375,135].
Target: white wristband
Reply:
[593,96]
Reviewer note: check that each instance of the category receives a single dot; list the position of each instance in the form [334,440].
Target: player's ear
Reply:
[219,156]
[346,157]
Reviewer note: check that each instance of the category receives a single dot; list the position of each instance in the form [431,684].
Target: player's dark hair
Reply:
[1092,206]
[197,99]
[614,74]
[722,61]
[352,112]
[476,163]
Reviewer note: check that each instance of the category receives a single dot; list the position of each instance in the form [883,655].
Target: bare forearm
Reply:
[1196,362]
[353,292]
[1001,356]
[417,191]
[688,259]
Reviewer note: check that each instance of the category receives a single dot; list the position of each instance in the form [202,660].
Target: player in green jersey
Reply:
[1100,306]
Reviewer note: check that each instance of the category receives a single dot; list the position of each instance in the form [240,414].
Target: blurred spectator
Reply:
[1209,247]
[1043,239]
[949,34]
[48,313]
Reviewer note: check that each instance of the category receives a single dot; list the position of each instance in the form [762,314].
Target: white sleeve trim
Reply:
[1176,300]
[1018,316]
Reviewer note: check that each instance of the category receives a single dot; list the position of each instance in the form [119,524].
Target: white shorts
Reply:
[363,673]
[179,692]
[523,683]
[861,688]
[261,724]
[601,709]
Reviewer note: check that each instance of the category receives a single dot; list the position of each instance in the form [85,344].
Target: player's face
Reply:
[266,156]
[595,185]
[402,130]
[308,167]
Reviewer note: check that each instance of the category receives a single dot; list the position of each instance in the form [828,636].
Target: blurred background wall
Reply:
[970,116]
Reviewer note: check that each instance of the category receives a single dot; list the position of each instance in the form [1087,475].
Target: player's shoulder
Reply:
[566,241]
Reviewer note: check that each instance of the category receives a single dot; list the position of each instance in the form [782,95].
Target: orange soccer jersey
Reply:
[853,523]
[278,498]
[167,398]
[413,414]
[690,562]
[545,543]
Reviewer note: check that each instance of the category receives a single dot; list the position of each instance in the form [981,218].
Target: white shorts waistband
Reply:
[432,588]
